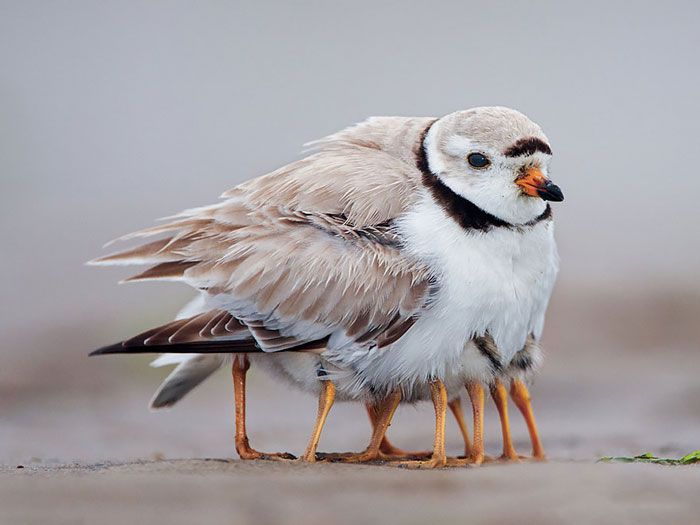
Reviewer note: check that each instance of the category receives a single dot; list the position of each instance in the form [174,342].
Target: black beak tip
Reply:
[551,192]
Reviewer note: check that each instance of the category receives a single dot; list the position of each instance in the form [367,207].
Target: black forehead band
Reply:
[527,146]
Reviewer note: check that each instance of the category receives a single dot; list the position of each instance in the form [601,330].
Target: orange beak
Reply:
[535,184]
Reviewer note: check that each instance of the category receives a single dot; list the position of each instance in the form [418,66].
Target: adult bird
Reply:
[393,252]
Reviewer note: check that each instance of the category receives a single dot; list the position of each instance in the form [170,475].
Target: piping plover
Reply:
[391,252]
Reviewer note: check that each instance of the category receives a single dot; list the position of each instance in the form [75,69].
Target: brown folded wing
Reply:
[305,252]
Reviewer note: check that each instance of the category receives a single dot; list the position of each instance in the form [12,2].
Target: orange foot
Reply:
[475,460]
[247,453]
[392,453]
[425,464]
[370,456]
[536,457]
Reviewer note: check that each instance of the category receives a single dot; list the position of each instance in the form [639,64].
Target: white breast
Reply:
[497,282]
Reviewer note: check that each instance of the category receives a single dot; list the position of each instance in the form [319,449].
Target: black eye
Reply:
[477,160]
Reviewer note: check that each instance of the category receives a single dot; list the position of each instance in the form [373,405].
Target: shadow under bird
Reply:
[401,260]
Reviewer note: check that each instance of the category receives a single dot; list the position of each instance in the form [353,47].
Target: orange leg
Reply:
[521,398]
[381,416]
[325,402]
[386,449]
[500,398]
[456,408]
[476,395]
[239,370]
[439,458]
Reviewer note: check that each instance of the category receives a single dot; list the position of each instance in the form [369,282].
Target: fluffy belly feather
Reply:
[496,282]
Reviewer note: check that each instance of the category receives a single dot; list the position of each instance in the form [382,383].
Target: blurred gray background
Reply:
[115,113]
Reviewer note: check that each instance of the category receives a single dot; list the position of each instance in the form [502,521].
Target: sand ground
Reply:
[197,491]
[92,452]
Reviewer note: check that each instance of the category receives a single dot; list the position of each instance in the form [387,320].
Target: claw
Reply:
[251,454]
[432,463]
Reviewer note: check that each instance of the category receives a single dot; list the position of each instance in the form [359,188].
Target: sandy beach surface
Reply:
[620,378]
[198,491]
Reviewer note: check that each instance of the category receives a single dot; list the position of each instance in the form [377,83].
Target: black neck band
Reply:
[467,214]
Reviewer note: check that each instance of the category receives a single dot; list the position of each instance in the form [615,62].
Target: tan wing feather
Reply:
[189,335]
[309,245]
[167,271]
[366,172]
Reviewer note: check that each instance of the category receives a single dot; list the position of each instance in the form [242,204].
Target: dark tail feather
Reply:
[213,332]
[247,346]
[206,347]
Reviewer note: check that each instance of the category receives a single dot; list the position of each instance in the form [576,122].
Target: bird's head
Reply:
[496,158]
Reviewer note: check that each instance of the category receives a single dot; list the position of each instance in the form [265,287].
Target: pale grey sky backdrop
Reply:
[114,113]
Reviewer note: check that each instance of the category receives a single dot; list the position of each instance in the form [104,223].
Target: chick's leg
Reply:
[325,402]
[456,408]
[239,369]
[380,416]
[387,450]
[476,395]
[385,447]
[500,398]
[438,393]
[521,397]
